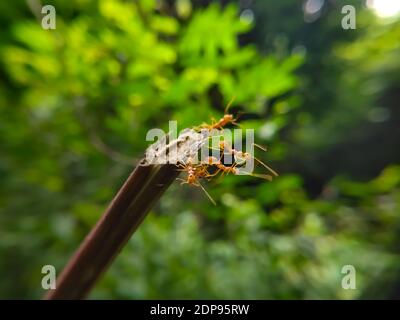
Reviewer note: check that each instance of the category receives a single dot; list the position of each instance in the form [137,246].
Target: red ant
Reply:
[225,120]
[195,172]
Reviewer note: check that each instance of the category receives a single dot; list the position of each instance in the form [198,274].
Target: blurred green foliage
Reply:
[76,103]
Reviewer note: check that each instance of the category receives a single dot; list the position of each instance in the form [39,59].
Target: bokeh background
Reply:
[76,104]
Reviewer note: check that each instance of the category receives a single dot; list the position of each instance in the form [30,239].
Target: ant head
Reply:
[228,117]
[191,177]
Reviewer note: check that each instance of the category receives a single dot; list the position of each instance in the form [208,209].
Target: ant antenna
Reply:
[266,167]
[258,175]
[229,104]
[260,147]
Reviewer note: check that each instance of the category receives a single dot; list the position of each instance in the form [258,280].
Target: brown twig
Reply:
[125,213]
[142,189]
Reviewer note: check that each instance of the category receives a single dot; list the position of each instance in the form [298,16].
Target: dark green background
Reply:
[76,103]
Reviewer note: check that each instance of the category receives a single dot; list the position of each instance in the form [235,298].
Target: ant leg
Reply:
[181,165]
[267,167]
[214,174]
[183,180]
[236,124]
[209,197]
[223,170]
[231,169]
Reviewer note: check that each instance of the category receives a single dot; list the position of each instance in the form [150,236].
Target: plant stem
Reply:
[123,216]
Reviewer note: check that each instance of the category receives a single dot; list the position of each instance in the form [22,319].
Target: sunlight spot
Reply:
[313,6]
[384,8]
[247,16]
